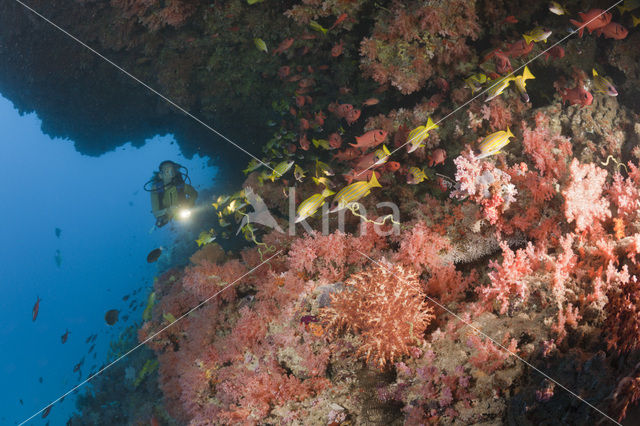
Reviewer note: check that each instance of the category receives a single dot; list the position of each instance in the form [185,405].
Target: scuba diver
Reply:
[171,192]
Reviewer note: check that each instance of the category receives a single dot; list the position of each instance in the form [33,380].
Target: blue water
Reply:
[105,218]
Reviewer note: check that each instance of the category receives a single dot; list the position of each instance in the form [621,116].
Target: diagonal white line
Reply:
[494,84]
[148,339]
[145,85]
[486,336]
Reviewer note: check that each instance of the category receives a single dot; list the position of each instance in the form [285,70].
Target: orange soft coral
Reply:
[386,306]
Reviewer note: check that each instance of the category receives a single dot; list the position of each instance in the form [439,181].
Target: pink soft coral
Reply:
[584,202]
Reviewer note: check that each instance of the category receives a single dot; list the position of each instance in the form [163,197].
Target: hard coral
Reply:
[386,306]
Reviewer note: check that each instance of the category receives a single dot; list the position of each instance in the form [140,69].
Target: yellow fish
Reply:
[314,25]
[298,173]
[250,2]
[536,35]
[282,168]
[354,192]
[557,9]
[498,86]
[233,206]
[322,143]
[322,181]
[475,82]
[222,221]
[419,134]
[323,169]
[415,176]
[146,315]
[636,21]
[381,155]
[492,143]
[261,45]
[253,165]
[521,83]
[603,84]
[220,201]
[311,205]
[206,237]
[628,6]
[263,175]
[168,317]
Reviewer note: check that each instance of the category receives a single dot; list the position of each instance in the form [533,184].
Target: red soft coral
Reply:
[421,248]
[509,278]
[623,312]
[548,150]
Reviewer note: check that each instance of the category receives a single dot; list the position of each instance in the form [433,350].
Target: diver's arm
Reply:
[155,205]
[191,194]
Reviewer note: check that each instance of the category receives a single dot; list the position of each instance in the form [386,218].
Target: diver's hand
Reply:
[161,221]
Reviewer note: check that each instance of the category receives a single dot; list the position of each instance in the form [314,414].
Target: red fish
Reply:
[300,101]
[304,142]
[518,49]
[304,124]
[340,20]
[352,116]
[503,64]
[442,84]
[36,308]
[371,102]
[306,82]
[592,20]
[510,20]
[336,50]
[343,109]
[64,337]
[319,117]
[347,155]
[284,71]
[359,175]
[368,161]
[335,140]
[370,139]
[577,96]
[284,45]
[613,30]
[437,157]
[392,166]
[556,52]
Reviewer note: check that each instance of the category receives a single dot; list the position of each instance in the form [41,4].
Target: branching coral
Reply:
[386,306]
[417,39]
